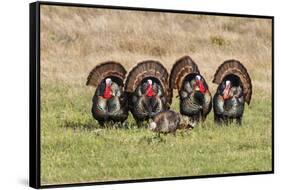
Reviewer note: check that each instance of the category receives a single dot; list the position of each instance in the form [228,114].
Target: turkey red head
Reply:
[199,84]
[107,94]
[149,90]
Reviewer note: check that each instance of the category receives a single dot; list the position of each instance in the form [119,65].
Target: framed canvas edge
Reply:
[155,179]
[153,9]
[34,95]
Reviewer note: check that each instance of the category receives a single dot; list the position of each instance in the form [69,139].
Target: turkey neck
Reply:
[226,92]
[201,87]
[149,91]
[107,92]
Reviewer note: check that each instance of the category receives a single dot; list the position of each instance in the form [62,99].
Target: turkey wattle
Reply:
[109,100]
[195,97]
[147,86]
[235,88]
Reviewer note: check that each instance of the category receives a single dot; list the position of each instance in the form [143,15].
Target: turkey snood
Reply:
[149,91]
[107,90]
[226,90]
[199,84]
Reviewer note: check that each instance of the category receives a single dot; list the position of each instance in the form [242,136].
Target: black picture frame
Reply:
[34,93]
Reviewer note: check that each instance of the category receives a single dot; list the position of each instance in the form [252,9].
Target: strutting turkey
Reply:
[148,90]
[195,97]
[109,100]
[235,88]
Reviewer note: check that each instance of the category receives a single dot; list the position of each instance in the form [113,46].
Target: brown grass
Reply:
[74,40]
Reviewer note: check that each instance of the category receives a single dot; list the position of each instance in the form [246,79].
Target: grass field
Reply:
[73,147]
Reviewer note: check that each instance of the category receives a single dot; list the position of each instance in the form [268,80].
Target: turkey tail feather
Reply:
[234,67]
[106,69]
[183,67]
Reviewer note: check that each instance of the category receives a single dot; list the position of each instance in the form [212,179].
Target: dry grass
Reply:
[74,40]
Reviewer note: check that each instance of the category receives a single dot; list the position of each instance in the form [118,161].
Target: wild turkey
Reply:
[109,100]
[195,97]
[165,122]
[148,89]
[235,88]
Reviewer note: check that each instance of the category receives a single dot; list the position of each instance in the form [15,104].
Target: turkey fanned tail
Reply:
[148,76]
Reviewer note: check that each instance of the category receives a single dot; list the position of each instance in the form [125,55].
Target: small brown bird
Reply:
[168,122]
